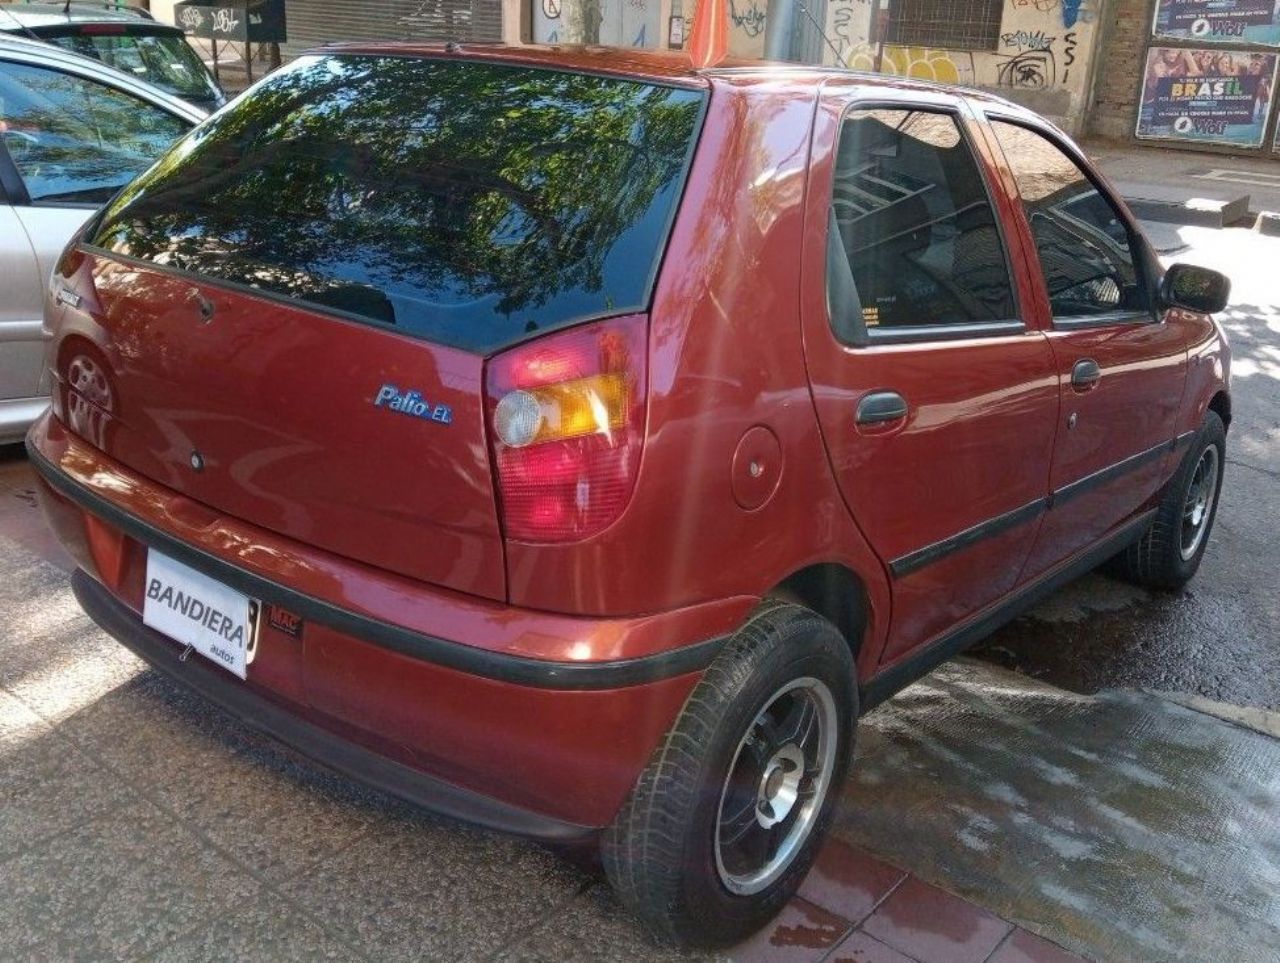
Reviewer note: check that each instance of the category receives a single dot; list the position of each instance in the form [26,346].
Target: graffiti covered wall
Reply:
[1041,60]
[747,22]
[614,23]
[1041,57]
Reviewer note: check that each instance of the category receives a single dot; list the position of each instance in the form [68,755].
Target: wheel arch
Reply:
[1220,404]
[836,593]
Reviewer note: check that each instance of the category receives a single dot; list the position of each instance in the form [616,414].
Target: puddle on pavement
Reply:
[806,928]
[1121,825]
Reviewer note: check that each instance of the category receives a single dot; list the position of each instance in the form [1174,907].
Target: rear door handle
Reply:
[1085,373]
[881,406]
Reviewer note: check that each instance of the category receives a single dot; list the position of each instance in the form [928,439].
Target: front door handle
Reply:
[880,407]
[1085,373]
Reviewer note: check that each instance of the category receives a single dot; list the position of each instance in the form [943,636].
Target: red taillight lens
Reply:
[566,426]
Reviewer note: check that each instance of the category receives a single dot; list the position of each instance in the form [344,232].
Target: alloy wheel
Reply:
[777,782]
[1197,509]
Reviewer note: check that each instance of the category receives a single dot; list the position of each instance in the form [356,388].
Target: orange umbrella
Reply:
[709,39]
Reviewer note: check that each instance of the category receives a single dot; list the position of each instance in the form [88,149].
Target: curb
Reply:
[1202,212]
[1262,721]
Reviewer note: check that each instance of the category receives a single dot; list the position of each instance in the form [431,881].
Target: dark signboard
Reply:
[1219,21]
[246,21]
[1216,96]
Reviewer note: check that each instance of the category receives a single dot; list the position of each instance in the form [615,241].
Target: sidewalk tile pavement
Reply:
[140,822]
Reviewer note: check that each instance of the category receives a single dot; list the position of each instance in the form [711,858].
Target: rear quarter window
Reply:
[468,203]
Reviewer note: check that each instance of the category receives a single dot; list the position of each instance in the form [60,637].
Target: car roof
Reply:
[34,16]
[38,53]
[637,64]
[670,66]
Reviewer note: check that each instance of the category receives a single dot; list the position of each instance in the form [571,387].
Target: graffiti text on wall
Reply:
[922,63]
[1027,60]
[1027,40]
[747,16]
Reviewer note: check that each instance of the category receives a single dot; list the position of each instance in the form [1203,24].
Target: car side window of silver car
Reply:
[73,140]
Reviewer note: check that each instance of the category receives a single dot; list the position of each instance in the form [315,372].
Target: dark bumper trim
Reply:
[363,765]
[501,667]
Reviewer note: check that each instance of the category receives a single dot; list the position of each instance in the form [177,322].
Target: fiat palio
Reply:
[578,443]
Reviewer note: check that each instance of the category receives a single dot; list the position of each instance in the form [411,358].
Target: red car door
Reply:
[936,399]
[1120,367]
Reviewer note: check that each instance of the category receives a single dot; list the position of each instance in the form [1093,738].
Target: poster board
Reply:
[1206,95]
[1218,21]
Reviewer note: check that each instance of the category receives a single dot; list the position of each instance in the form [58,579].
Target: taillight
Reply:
[71,258]
[566,426]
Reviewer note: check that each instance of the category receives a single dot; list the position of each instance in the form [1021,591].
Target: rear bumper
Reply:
[488,729]
[325,747]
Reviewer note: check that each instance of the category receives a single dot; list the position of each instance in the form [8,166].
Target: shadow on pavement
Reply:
[1121,825]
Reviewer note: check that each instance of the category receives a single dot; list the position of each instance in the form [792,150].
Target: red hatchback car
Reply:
[577,443]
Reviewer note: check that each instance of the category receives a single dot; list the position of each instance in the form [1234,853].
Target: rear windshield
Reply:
[164,60]
[467,203]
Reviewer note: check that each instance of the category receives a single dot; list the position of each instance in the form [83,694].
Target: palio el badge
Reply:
[413,404]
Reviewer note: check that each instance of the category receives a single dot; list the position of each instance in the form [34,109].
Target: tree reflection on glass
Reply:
[467,202]
[76,140]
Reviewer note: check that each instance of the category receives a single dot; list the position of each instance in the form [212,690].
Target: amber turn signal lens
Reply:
[587,406]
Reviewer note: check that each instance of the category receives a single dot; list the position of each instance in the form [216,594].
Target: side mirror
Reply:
[1194,288]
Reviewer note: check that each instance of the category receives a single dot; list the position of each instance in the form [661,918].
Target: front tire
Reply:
[727,818]
[1169,554]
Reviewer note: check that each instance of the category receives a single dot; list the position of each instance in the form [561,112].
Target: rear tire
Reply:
[725,822]
[1169,554]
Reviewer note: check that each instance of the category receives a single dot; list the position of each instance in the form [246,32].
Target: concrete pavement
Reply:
[1192,187]
[991,817]
[138,822]
[1220,637]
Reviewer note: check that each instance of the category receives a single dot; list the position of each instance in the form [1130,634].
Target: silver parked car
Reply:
[125,38]
[72,132]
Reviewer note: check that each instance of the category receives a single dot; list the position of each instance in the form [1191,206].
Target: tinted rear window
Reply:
[467,203]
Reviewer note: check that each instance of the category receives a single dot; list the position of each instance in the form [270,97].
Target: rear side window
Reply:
[919,245]
[165,60]
[467,203]
[1085,249]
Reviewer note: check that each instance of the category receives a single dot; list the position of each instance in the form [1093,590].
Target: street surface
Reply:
[1220,637]
[1124,825]
[139,823]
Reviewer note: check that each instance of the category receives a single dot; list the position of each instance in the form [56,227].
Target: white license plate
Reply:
[191,608]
